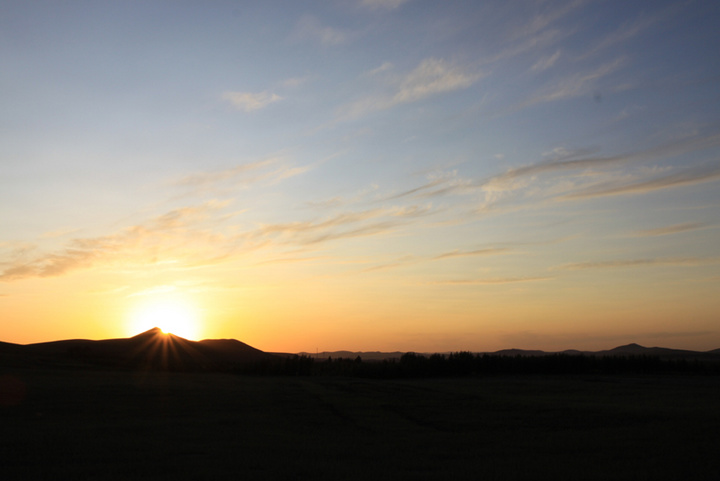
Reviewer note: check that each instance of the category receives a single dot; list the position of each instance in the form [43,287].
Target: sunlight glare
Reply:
[172,316]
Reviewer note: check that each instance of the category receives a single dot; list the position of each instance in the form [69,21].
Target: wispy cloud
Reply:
[175,234]
[543,20]
[562,176]
[539,32]
[345,225]
[542,40]
[201,235]
[269,170]
[382,68]
[199,179]
[251,101]
[475,252]
[367,193]
[625,263]
[290,260]
[384,4]
[59,233]
[545,63]
[295,81]
[438,184]
[431,77]
[309,27]
[575,85]
[677,179]
[411,259]
[671,229]
[492,281]
[591,178]
[627,31]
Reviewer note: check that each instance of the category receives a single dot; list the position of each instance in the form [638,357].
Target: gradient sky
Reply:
[363,174]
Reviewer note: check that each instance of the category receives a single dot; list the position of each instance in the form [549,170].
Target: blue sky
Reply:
[408,175]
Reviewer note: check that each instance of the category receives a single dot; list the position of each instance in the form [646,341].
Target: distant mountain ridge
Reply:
[632,349]
[154,349]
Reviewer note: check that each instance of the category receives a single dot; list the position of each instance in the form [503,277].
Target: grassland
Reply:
[92,424]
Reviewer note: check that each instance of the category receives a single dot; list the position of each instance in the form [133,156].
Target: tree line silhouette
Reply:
[466,364]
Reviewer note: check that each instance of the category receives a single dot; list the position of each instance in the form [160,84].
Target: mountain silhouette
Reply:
[632,349]
[661,352]
[151,349]
[155,350]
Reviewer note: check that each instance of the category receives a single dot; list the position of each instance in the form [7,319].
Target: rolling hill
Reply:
[152,349]
[625,350]
[155,350]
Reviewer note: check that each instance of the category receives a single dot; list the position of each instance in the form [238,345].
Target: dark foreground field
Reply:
[75,424]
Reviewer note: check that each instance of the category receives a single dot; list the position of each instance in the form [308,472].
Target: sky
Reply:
[368,175]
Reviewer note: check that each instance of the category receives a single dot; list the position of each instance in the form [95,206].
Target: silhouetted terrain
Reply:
[153,350]
[626,350]
[149,350]
[150,407]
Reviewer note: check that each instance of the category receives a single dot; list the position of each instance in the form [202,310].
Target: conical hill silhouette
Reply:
[151,349]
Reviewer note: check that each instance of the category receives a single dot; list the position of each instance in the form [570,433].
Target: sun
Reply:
[172,316]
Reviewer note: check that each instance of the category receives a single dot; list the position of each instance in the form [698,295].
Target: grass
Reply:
[121,425]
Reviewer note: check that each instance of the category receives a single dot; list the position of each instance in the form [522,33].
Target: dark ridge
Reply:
[155,350]
[364,355]
[151,349]
[149,333]
[518,352]
[632,347]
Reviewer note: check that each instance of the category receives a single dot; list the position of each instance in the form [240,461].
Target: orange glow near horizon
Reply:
[520,189]
[172,315]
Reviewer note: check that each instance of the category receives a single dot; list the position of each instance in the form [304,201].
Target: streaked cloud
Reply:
[59,233]
[336,201]
[340,226]
[384,4]
[198,179]
[525,45]
[668,230]
[546,62]
[251,101]
[545,18]
[382,68]
[178,233]
[625,263]
[476,252]
[368,193]
[295,81]
[193,236]
[676,179]
[267,171]
[413,259]
[591,177]
[574,85]
[431,77]
[290,260]
[492,281]
[438,184]
[310,27]
[627,31]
